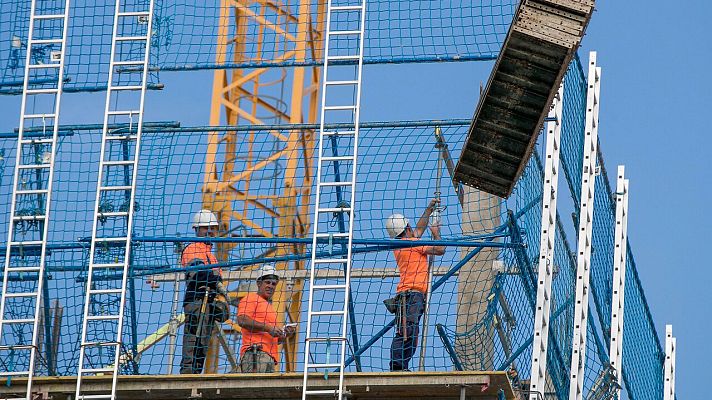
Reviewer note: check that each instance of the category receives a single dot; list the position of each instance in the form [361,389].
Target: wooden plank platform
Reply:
[362,386]
[540,44]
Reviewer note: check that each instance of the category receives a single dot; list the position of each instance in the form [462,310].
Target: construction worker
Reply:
[413,284]
[261,334]
[204,301]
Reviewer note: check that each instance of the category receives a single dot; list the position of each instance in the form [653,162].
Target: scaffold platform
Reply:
[481,385]
[535,56]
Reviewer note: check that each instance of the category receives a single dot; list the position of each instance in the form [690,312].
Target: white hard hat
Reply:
[204,218]
[396,224]
[267,270]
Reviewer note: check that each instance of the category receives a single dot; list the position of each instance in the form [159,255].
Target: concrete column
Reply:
[480,214]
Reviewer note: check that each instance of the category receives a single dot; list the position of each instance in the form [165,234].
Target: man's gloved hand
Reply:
[221,289]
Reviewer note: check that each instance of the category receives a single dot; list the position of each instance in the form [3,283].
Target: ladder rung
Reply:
[23,269]
[18,347]
[330,261]
[338,158]
[338,58]
[133,14]
[326,339]
[28,116]
[42,91]
[339,108]
[110,239]
[337,83]
[128,62]
[335,183]
[130,87]
[124,137]
[94,292]
[36,141]
[102,317]
[96,371]
[115,188]
[333,392]
[45,41]
[329,287]
[127,112]
[330,312]
[335,235]
[338,133]
[14,373]
[27,243]
[14,295]
[108,265]
[130,38]
[327,365]
[346,8]
[32,191]
[39,66]
[117,163]
[98,344]
[114,214]
[33,166]
[341,33]
[18,321]
[50,16]
[334,209]
[95,396]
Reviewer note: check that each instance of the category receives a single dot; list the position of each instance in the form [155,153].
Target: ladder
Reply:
[109,254]
[546,249]
[325,347]
[26,245]
[585,231]
[669,364]
[619,267]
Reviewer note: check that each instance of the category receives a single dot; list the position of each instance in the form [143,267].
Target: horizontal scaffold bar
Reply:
[173,127]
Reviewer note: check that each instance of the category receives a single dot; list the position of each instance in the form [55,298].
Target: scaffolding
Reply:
[253,162]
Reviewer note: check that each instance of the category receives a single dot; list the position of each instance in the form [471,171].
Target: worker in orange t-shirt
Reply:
[261,334]
[204,302]
[413,284]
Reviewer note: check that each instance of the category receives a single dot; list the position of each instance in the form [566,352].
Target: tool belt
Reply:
[251,353]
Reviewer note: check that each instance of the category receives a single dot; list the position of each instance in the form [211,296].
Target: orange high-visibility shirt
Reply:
[413,268]
[202,252]
[260,310]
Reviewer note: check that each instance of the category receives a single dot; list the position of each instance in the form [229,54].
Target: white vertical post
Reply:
[670,345]
[585,231]
[546,248]
[619,266]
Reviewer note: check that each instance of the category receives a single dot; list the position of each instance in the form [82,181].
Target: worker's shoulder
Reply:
[196,246]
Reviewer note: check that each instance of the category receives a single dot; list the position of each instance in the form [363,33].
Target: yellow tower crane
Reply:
[265,32]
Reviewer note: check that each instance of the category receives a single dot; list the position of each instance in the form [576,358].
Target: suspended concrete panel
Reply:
[535,56]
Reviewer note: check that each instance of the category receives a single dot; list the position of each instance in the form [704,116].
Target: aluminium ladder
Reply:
[35,163]
[619,267]
[131,31]
[585,231]
[545,270]
[669,364]
[345,30]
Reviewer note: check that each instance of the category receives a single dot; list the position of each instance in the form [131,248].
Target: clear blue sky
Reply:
[656,100]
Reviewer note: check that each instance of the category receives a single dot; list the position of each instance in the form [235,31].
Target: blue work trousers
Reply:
[411,306]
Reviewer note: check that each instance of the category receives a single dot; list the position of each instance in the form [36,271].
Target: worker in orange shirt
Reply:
[413,284]
[205,297]
[261,334]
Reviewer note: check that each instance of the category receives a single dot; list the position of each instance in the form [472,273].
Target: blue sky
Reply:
[656,97]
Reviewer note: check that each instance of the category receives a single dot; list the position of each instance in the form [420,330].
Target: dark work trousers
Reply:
[195,344]
[406,339]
